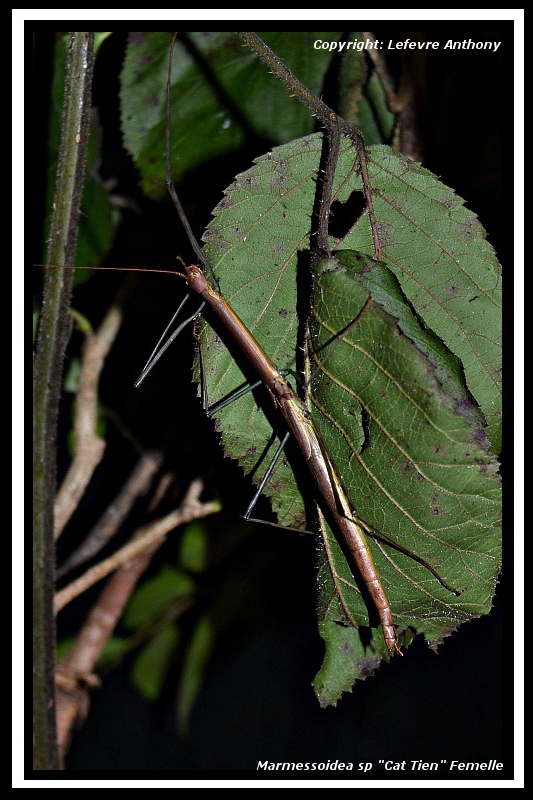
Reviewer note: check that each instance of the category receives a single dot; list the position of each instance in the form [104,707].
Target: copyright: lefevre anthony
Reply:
[406,44]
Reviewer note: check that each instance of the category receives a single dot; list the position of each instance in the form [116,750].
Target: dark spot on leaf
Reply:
[146,60]
[462,405]
[155,185]
[368,665]
[449,202]
[299,521]
[213,237]
[475,297]
[385,234]
[283,312]
[152,101]
[471,226]
[136,37]
[480,436]
[452,288]
[435,507]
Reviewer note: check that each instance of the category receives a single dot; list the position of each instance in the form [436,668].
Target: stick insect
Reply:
[325,476]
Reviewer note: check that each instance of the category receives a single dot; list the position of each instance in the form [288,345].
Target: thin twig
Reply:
[408,100]
[89,447]
[190,508]
[317,107]
[382,72]
[75,673]
[324,113]
[136,485]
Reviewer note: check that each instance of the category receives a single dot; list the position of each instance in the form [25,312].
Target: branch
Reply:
[191,508]
[324,113]
[136,485]
[408,101]
[53,336]
[74,675]
[89,447]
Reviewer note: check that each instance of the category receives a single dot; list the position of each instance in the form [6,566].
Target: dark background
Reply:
[257,702]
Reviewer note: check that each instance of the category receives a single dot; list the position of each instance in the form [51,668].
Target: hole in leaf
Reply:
[343,216]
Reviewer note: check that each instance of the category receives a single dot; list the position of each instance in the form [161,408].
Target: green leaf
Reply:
[98,222]
[72,374]
[347,659]
[385,289]
[194,547]
[446,268]
[97,228]
[113,650]
[202,548]
[196,661]
[153,597]
[220,94]
[438,289]
[150,667]
[425,477]
[255,243]
[362,99]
